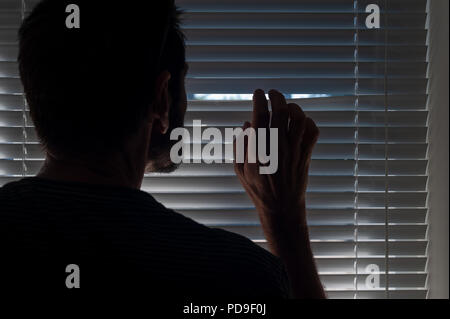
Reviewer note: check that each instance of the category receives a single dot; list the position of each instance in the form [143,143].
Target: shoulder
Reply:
[261,269]
[242,261]
[13,197]
[223,242]
[250,252]
[10,190]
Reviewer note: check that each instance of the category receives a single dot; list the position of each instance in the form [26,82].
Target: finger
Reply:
[279,110]
[246,126]
[297,127]
[261,115]
[238,165]
[243,145]
[312,132]
[310,138]
[297,124]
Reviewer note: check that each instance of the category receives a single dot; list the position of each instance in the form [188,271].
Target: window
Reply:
[365,88]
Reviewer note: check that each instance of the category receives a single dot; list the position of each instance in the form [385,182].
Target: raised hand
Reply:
[280,197]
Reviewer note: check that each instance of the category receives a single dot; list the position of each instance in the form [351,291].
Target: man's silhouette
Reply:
[104,98]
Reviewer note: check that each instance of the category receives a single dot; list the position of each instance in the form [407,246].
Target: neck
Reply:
[116,172]
[125,168]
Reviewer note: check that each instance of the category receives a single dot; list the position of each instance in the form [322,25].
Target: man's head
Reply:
[92,90]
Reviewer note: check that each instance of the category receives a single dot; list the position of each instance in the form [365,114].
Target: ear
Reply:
[162,103]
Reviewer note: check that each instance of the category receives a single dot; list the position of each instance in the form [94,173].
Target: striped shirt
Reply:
[123,238]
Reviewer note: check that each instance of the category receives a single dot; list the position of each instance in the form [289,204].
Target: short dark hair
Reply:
[89,89]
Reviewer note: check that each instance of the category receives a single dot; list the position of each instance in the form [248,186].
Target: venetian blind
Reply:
[366,90]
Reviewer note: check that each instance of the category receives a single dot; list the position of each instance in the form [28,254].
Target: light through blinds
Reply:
[366,90]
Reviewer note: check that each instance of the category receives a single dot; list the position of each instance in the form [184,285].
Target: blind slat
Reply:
[319,20]
[294,5]
[315,37]
[318,168]
[299,53]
